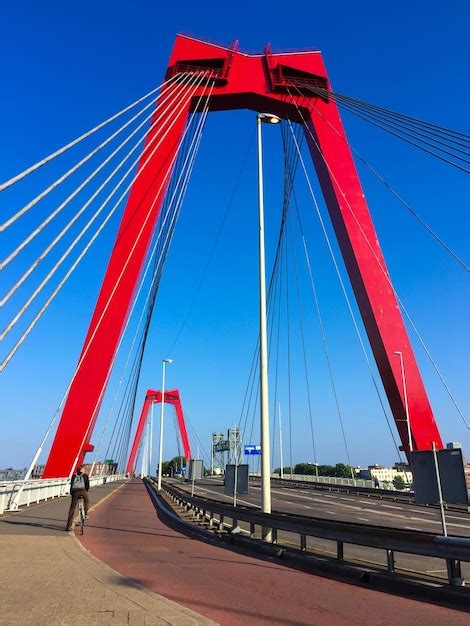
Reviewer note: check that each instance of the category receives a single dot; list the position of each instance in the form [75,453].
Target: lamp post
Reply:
[263,118]
[405,396]
[280,440]
[162,412]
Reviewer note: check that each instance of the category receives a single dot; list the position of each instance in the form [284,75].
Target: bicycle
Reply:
[81,514]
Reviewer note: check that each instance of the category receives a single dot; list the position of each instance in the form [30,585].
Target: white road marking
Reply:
[465,519]
[391,506]
[363,519]
[229,497]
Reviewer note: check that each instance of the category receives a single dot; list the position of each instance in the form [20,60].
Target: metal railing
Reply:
[451,549]
[323,480]
[17,493]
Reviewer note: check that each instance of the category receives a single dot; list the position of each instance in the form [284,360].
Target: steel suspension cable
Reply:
[85,228]
[90,341]
[384,126]
[82,254]
[71,196]
[407,206]
[43,194]
[387,277]
[157,272]
[344,292]
[57,153]
[77,215]
[462,139]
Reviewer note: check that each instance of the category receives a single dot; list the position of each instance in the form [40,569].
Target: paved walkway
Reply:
[47,578]
[232,587]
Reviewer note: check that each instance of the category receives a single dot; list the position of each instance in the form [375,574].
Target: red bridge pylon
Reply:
[278,84]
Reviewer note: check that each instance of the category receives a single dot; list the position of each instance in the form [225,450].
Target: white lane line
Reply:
[331,512]
[363,519]
[412,528]
[348,499]
[465,519]
[391,506]
[229,497]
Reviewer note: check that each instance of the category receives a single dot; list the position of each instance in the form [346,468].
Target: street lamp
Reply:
[405,396]
[162,411]
[263,118]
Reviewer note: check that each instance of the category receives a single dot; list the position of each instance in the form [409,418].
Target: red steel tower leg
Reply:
[132,242]
[275,83]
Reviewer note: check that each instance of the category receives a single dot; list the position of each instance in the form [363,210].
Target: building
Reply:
[9,473]
[101,468]
[384,476]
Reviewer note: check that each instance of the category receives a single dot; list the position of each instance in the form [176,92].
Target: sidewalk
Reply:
[47,578]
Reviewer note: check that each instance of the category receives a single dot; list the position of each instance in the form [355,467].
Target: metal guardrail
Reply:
[15,494]
[451,549]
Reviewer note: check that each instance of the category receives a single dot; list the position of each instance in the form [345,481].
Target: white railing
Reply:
[17,493]
[325,480]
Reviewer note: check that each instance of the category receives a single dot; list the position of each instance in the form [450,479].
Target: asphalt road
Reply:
[339,506]
[351,508]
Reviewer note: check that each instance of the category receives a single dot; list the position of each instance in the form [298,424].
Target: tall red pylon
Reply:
[262,82]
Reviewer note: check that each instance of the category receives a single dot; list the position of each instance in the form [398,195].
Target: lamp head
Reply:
[268,118]
[167,360]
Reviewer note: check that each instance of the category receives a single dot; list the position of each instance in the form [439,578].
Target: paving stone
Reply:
[66,586]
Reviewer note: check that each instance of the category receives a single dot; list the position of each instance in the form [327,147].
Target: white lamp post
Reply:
[405,397]
[162,412]
[263,118]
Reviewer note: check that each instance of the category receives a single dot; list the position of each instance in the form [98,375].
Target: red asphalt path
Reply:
[229,586]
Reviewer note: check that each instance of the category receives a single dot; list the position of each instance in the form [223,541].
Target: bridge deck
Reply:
[46,578]
[230,586]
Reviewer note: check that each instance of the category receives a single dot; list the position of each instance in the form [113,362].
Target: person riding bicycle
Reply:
[79,487]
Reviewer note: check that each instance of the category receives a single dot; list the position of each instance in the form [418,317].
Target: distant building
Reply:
[101,468]
[385,476]
[9,473]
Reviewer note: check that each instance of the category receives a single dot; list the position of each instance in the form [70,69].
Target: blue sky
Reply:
[67,67]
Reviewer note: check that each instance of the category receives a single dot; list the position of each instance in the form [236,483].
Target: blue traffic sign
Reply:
[252,449]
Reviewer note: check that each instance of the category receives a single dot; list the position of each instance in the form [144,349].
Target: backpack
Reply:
[78,482]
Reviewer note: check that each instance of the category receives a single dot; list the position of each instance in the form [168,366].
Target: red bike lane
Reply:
[230,586]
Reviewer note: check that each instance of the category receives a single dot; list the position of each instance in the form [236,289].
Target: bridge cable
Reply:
[32,203]
[77,239]
[57,153]
[170,231]
[77,261]
[214,246]
[411,130]
[420,220]
[384,125]
[400,122]
[67,200]
[460,138]
[384,271]
[90,340]
[346,297]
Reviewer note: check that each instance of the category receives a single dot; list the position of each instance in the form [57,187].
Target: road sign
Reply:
[252,449]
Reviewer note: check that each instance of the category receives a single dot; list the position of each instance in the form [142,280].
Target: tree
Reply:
[399,483]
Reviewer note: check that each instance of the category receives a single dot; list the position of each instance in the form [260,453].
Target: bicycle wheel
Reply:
[81,514]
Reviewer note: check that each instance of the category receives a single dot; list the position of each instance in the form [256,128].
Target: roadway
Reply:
[339,506]
[226,584]
[350,508]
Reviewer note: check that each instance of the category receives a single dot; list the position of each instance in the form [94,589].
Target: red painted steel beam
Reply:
[155,397]
[260,82]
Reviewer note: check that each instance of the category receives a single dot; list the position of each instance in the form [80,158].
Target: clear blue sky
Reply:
[67,66]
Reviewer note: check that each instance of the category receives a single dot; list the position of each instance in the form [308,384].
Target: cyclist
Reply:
[79,487]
